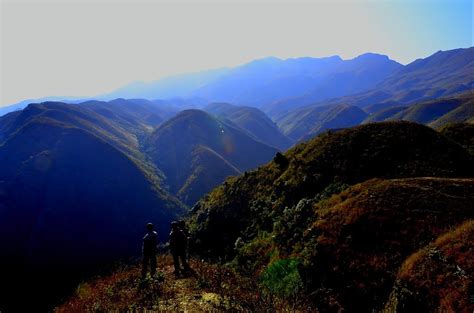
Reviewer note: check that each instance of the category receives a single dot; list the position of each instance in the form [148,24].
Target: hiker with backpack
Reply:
[178,243]
[149,249]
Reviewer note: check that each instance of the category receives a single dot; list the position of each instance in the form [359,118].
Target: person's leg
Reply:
[144,265]
[176,263]
[183,260]
[153,265]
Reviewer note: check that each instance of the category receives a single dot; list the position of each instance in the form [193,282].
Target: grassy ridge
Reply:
[280,222]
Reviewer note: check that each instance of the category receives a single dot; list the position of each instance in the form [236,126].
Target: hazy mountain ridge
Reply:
[269,80]
[361,73]
[442,74]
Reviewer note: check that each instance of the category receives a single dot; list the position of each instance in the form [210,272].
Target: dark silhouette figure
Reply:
[184,229]
[178,243]
[149,249]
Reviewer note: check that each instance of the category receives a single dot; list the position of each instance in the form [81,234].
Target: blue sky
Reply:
[87,48]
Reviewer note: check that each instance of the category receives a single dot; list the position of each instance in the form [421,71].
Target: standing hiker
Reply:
[178,248]
[150,242]
[184,229]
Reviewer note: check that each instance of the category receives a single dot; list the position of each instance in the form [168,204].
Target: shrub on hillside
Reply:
[282,278]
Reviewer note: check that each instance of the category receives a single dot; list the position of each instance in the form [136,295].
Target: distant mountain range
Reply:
[110,164]
[279,86]
[442,74]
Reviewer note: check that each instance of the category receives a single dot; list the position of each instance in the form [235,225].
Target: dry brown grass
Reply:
[209,288]
[441,273]
[363,235]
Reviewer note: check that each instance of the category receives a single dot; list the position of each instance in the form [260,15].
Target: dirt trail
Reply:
[208,289]
[187,296]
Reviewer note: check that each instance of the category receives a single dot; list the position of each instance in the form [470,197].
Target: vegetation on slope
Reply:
[209,288]
[388,150]
[252,120]
[438,277]
[358,239]
[72,182]
[434,113]
[277,219]
[461,133]
[176,147]
[46,169]
[306,123]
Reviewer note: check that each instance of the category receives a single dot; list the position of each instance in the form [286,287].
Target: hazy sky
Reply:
[68,48]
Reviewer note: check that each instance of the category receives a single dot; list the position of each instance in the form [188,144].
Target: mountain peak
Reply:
[371,56]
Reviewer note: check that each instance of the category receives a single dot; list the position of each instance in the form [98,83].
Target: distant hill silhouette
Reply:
[194,144]
[269,79]
[167,87]
[252,120]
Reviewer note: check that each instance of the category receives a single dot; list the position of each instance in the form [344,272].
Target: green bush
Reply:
[282,278]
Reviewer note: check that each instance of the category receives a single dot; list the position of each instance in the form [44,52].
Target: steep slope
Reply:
[71,184]
[439,276]
[364,234]
[176,147]
[462,114]
[90,117]
[462,133]
[435,113]
[346,249]
[207,170]
[252,120]
[46,169]
[245,205]
[308,122]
